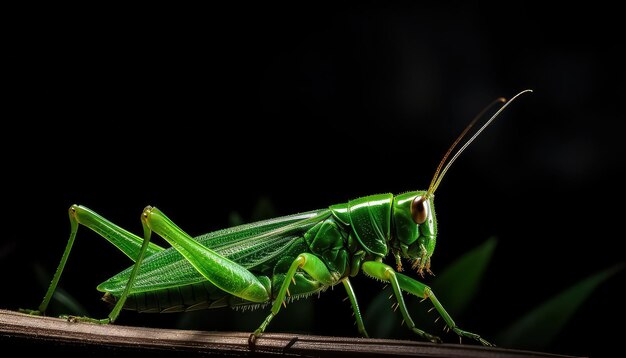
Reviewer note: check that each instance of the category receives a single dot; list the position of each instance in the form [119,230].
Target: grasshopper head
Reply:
[415,228]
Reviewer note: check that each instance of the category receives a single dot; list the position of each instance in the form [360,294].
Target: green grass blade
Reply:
[539,327]
[457,285]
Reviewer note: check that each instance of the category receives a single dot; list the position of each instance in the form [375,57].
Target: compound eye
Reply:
[420,210]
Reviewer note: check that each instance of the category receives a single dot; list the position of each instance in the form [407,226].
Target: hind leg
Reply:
[125,241]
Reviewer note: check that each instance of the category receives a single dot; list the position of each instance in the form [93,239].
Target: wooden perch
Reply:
[44,331]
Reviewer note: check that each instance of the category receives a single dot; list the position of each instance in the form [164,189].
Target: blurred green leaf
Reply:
[264,209]
[235,219]
[62,302]
[457,285]
[65,303]
[539,327]
[379,319]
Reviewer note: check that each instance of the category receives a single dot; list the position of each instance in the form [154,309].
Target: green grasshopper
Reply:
[276,260]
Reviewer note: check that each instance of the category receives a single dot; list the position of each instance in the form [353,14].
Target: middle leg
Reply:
[310,264]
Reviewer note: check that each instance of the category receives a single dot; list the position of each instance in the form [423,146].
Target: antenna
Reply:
[439,174]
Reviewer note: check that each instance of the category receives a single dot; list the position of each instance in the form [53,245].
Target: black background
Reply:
[201,112]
